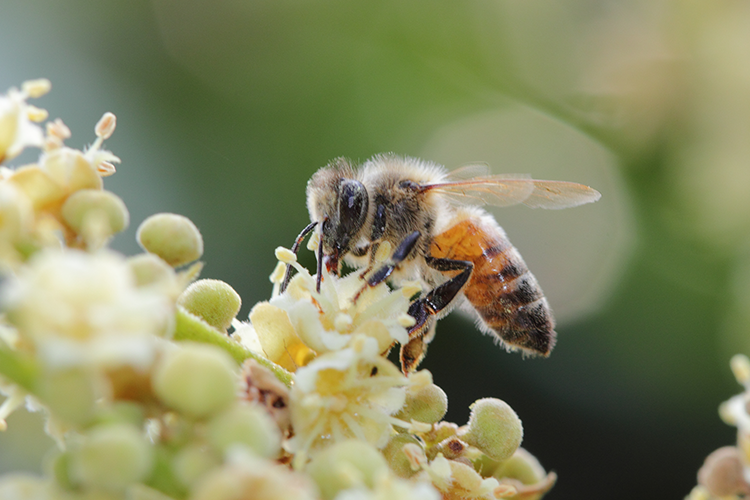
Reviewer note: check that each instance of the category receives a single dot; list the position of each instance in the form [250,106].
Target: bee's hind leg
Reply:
[425,309]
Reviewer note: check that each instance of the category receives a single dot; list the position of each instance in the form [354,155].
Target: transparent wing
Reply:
[506,190]
[469,172]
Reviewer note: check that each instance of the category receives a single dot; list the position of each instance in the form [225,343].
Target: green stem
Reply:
[192,328]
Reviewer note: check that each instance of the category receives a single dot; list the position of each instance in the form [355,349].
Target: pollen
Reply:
[406,321]
[410,288]
[383,252]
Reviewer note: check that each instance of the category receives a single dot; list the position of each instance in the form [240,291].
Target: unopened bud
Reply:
[81,204]
[246,424]
[149,269]
[112,457]
[346,465]
[172,237]
[398,456]
[192,462]
[212,300]
[196,379]
[524,467]
[70,394]
[427,404]
[493,428]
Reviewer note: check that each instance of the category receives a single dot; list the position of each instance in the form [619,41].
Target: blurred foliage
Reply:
[226,108]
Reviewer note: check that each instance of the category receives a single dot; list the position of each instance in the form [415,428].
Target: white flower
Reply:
[79,309]
[351,393]
[302,322]
[17,130]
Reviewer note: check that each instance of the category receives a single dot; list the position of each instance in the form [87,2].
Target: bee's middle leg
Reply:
[424,309]
[403,251]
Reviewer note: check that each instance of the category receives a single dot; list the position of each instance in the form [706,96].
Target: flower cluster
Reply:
[726,472]
[154,391]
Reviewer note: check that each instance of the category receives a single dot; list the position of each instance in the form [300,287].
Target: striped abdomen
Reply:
[501,288]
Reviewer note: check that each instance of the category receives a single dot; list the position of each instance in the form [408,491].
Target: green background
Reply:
[226,108]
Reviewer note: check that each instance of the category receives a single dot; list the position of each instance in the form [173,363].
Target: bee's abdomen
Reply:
[503,291]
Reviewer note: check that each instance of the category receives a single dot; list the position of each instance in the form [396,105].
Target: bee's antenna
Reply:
[319,273]
[295,249]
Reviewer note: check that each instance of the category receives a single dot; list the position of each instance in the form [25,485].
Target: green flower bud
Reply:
[121,412]
[192,462]
[81,204]
[111,457]
[172,237]
[248,425]
[70,395]
[346,465]
[57,465]
[213,300]
[196,379]
[398,460]
[522,466]
[149,269]
[493,428]
[428,404]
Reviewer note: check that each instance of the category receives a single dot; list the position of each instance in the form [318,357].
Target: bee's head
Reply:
[339,203]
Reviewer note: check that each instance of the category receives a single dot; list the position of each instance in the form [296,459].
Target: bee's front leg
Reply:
[425,309]
[295,249]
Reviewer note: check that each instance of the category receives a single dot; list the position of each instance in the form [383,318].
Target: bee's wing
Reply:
[470,172]
[506,190]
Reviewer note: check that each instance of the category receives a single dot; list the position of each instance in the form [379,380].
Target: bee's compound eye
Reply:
[353,196]
[353,203]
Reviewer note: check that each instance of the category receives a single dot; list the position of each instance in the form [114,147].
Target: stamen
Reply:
[278,273]
[353,426]
[36,88]
[106,126]
[36,114]
[105,169]
[285,255]
[58,129]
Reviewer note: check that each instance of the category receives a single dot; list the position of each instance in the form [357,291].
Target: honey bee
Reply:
[456,249]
